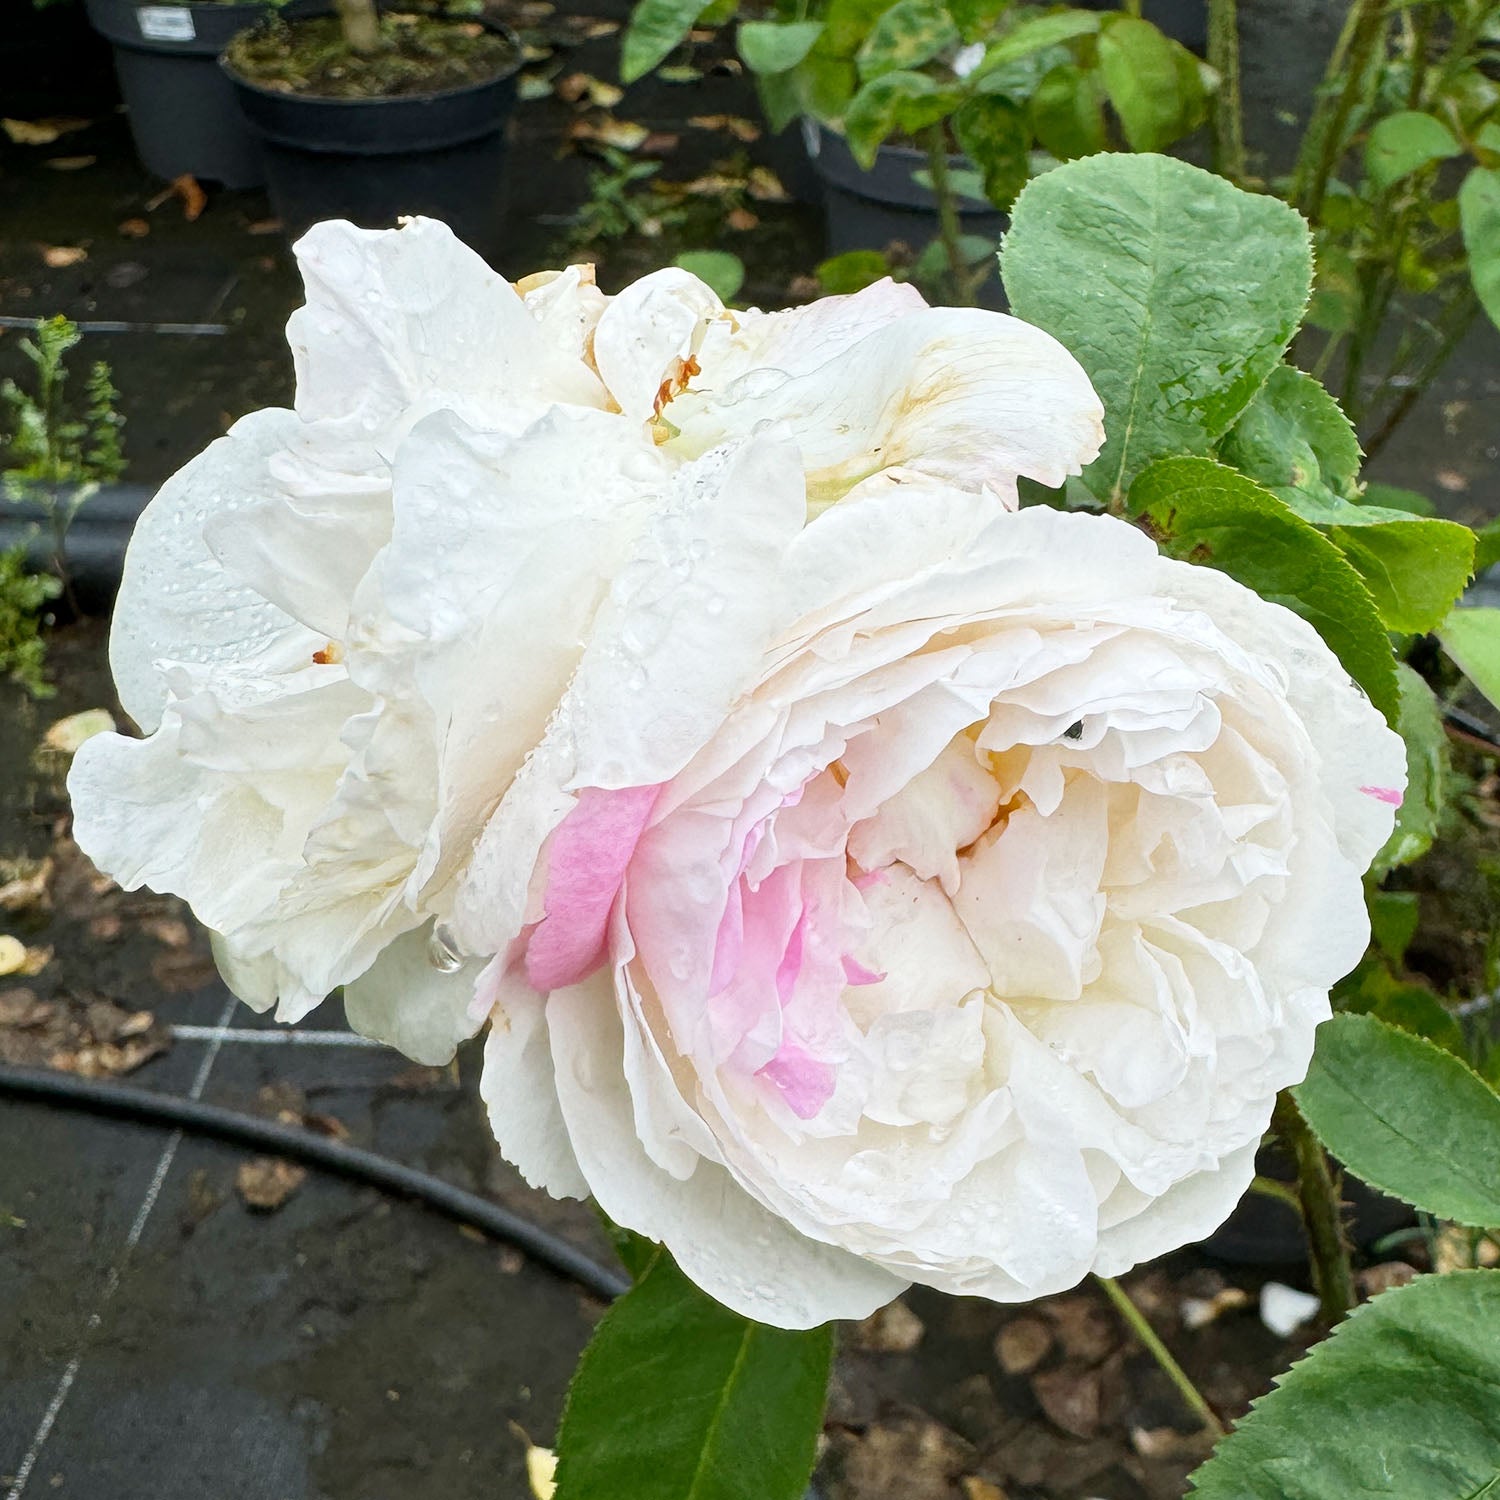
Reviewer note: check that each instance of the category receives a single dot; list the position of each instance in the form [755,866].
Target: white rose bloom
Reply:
[342,628]
[927,894]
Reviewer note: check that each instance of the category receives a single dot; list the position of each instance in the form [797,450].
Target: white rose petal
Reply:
[972,943]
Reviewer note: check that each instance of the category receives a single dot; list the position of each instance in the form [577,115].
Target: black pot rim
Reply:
[328,101]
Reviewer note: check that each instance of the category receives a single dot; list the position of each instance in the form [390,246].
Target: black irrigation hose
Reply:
[142,1105]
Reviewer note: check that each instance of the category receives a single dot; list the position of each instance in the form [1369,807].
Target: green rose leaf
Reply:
[1399,1404]
[1472,638]
[852,271]
[1406,1117]
[1154,83]
[847,23]
[976,18]
[1420,723]
[1373,991]
[720,270]
[1393,497]
[992,132]
[1296,441]
[1487,547]
[1413,568]
[910,33]
[1067,112]
[1403,143]
[1205,512]
[1175,290]
[677,1398]
[1479,215]
[1394,919]
[1295,437]
[656,27]
[1036,35]
[776,46]
[892,102]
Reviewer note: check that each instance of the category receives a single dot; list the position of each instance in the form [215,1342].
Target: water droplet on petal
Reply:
[443,952]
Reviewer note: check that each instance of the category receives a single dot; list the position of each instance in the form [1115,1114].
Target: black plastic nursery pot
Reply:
[1185,21]
[371,161]
[183,114]
[871,210]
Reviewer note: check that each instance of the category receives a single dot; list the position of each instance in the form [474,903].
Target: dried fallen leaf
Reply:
[178,970]
[267,1182]
[42,132]
[894,1329]
[659,142]
[980,1489]
[20,1007]
[1086,1329]
[1022,1345]
[134,229]
[533,86]
[17,958]
[203,1199]
[1070,1398]
[187,188]
[679,74]
[23,884]
[736,125]
[171,932]
[623,135]
[765,186]
[66,735]
[61,256]
[1168,1443]
[1199,1312]
[741,219]
[69,163]
[1374,1280]
[264,226]
[577,87]
[905,1459]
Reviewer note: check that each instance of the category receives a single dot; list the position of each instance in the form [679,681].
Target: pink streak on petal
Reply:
[790,968]
[805,1083]
[729,942]
[1391,794]
[867,878]
[856,973]
[586,863]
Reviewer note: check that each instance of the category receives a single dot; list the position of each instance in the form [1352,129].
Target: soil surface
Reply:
[417,55]
[178,1322]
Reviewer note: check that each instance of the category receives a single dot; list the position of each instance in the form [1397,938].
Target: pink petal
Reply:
[805,1083]
[586,862]
[1390,794]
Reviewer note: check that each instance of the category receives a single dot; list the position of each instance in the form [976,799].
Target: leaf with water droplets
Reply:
[1176,291]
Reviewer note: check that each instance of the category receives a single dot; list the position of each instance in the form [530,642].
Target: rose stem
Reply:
[1224,54]
[1161,1354]
[1320,1211]
[950,230]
